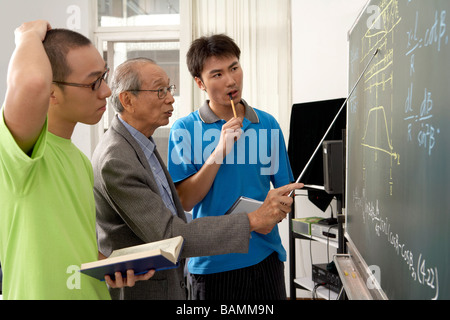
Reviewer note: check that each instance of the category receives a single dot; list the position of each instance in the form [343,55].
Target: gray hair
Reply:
[126,77]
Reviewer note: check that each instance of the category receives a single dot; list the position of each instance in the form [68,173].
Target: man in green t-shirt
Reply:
[47,216]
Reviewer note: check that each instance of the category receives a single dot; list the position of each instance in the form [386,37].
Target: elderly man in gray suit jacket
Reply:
[136,199]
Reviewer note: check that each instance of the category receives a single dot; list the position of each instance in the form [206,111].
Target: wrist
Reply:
[27,36]
[253,220]
[216,156]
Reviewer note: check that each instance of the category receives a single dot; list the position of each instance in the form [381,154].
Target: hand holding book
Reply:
[137,261]
[128,281]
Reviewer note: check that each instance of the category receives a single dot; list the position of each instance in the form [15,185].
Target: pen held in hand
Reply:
[232,105]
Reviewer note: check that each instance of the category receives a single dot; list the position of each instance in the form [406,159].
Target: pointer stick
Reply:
[320,143]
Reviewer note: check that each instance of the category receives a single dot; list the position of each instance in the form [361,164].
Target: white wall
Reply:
[320,47]
[320,72]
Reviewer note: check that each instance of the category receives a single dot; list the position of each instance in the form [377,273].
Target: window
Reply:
[166,54]
[131,13]
[140,28]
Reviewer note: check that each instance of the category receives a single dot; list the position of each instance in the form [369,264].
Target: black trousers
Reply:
[263,281]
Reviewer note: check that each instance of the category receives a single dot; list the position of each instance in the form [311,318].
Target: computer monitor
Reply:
[309,123]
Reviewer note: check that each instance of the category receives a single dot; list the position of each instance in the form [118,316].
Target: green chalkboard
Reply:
[398,146]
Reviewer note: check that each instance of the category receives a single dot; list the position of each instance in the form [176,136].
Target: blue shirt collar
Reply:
[208,116]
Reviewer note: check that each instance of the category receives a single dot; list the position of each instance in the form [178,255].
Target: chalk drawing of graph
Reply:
[377,143]
[377,139]
[376,135]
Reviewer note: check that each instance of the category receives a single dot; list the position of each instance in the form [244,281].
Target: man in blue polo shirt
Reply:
[217,155]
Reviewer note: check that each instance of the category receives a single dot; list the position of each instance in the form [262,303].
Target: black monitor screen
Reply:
[309,123]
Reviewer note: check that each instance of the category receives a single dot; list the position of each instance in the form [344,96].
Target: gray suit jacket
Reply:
[130,211]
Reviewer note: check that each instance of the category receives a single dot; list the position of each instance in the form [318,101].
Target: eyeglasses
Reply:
[94,86]
[162,92]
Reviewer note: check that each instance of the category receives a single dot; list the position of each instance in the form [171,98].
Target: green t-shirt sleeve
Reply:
[16,165]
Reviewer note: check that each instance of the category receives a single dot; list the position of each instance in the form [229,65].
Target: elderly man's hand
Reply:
[274,209]
[129,281]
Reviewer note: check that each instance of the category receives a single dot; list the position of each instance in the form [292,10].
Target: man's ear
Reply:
[126,101]
[55,95]
[200,83]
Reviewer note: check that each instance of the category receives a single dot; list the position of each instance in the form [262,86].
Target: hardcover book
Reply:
[159,255]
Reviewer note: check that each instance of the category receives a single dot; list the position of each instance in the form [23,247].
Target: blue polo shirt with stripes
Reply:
[257,162]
